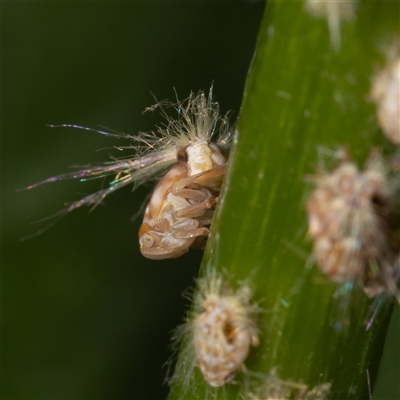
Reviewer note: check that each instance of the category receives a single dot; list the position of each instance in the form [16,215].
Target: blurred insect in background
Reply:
[385,92]
[335,13]
[181,207]
[351,219]
[274,388]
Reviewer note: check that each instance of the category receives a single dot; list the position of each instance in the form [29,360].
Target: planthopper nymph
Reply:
[187,156]
[182,204]
[351,219]
[219,333]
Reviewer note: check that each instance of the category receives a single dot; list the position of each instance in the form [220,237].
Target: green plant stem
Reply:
[301,94]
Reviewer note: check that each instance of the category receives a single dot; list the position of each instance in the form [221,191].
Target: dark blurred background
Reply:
[85,316]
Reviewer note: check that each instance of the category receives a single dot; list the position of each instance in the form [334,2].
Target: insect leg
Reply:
[197,210]
[201,179]
[191,234]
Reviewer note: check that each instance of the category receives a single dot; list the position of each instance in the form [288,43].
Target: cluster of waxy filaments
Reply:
[274,388]
[350,215]
[335,12]
[221,331]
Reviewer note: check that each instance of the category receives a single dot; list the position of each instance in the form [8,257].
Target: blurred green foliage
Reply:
[85,316]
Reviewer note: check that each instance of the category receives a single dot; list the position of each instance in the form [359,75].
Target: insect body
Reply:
[350,216]
[222,335]
[182,203]
[178,211]
[219,332]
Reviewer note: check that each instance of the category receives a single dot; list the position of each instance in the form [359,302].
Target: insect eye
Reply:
[147,240]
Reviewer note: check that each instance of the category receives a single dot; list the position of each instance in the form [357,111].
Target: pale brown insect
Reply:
[223,328]
[350,214]
[222,335]
[179,211]
[219,333]
[182,204]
